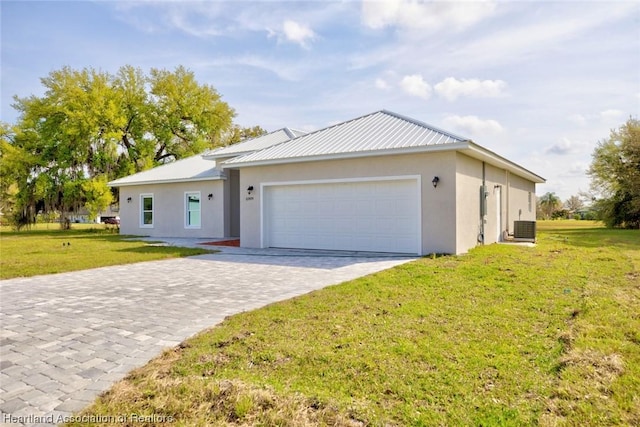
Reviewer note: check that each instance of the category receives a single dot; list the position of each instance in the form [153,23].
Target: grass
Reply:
[505,335]
[46,249]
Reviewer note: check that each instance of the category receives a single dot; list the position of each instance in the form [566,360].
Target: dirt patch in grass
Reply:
[597,372]
[603,369]
[193,400]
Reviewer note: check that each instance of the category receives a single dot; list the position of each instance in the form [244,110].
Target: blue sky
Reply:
[537,82]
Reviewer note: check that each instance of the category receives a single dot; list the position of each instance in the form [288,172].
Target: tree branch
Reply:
[164,156]
[159,154]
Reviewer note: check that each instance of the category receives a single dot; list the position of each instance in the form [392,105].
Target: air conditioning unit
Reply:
[524,230]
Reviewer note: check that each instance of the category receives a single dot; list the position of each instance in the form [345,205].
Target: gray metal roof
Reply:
[379,131]
[202,167]
[255,144]
[194,168]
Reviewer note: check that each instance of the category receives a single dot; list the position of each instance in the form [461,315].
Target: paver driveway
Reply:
[67,337]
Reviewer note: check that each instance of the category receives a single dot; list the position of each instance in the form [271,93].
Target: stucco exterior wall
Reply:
[522,200]
[507,200]
[438,204]
[468,221]
[169,215]
[496,196]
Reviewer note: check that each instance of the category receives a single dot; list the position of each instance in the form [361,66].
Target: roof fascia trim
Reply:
[467,147]
[476,151]
[165,181]
[350,155]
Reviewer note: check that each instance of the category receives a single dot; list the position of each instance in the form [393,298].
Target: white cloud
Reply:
[416,86]
[379,14]
[298,33]
[473,125]
[294,32]
[198,19]
[565,146]
[578,119]
[558,25]
[412,14]
[382,84]
[291,71]
[575,169]
[612,115]
[607,117]
[451,88]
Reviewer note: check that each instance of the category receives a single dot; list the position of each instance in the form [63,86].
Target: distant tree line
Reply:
[91,127]
[615,184]
[549,206]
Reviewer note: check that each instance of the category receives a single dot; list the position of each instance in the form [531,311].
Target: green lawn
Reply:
[505,335]
[46,249]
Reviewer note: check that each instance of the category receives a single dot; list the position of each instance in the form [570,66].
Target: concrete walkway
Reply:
[67,337]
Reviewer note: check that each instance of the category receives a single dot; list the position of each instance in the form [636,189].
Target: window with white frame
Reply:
[530,201]
[146,210]
[192,209]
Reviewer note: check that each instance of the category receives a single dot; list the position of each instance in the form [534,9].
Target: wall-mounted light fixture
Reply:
[210,196]
[128,199]
[435,181]
[250,189]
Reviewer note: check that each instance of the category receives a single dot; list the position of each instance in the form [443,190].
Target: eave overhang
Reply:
[468,148]
[165,181]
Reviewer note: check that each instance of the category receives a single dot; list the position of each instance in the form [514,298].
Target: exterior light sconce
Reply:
[128,199]
[435,181]
[210,196]
[250,189]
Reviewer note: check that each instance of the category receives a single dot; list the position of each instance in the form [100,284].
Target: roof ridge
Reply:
[242,141]
[339,124]
[323,141]
[289,132]
[286,130]
[213,152]
[294,130]
[423,124]
[390,113]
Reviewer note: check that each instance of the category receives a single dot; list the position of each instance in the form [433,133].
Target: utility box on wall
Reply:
[524,230]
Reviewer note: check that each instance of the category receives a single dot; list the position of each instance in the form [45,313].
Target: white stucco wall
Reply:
[169,216]
[438,204]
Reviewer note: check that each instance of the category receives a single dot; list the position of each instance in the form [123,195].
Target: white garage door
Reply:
[377,216]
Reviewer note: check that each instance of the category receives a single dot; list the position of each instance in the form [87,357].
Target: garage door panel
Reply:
[341,225]
[386,225]
[401,228]
[381,216]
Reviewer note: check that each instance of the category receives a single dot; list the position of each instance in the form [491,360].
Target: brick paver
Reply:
[67,337]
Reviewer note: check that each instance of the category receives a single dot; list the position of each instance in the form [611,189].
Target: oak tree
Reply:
[615,176]
[90,127]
